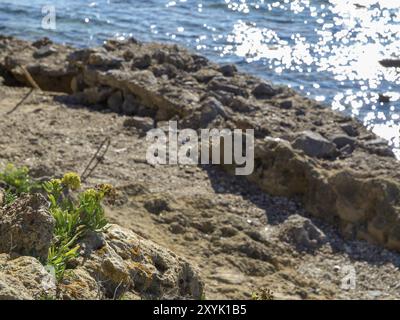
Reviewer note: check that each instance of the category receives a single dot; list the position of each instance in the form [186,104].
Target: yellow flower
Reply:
[91,193]
[71,180]
[108,190]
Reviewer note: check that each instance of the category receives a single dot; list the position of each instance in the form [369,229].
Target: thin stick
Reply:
[32,83]
[94,162]
[29,78]
[21,102]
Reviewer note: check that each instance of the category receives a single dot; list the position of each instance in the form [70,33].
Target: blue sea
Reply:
[326,49]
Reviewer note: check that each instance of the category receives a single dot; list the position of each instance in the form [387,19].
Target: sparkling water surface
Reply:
[327,49]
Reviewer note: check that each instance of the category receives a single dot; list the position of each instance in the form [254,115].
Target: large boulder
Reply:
[26,227]
[119,263]
[25,278]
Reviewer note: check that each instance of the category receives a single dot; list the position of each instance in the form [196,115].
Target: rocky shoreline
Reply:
[328,163]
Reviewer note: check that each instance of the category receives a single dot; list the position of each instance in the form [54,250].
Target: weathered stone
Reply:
[342,140]
[349,129]
[303,233]
[242,105]
[142,62]
[104,60]
[264,91]
[390,63]
[79,285]
[26,227]
[314,145]
[156,205]
[25,278]
[228,70]
[286,104]
[129,263]
[206,75]
[378,146]
[211,107]
[222,84]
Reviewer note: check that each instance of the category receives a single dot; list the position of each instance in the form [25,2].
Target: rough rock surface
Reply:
[24,278]
[111,265]
[356,189]
[26,227]
[123,262]
[303,233]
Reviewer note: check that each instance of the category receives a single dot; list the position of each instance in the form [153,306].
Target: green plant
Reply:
[9,197]
[74,218]
[18,180]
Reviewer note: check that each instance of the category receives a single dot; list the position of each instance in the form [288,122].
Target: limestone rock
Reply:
[79,285]
[314,145]
[25,278]
[128,263]
[26,227]
[303,233]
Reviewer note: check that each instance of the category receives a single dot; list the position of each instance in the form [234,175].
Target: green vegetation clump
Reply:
[17,182]
[76,213]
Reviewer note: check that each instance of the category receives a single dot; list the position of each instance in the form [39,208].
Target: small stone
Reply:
[240,104]
[342,140]
[176,228]
[314,145]
[211,107]
[287,104]
[228,70]
[142,62]
[264,91]
[157,205]
[384,98]
[205,75]
[349,129]
[224,85]
[104,60]
[390,63]
[303,233]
